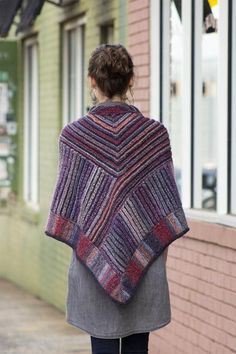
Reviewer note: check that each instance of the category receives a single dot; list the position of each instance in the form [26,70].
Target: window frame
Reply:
[192,91]
[232,139]
[107,29]
[155,58]
[79,26]
[222,124]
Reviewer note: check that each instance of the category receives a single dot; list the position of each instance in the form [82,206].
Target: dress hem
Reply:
[112,336]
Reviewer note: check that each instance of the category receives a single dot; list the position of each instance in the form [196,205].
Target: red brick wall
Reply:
[138,45]
[201,271]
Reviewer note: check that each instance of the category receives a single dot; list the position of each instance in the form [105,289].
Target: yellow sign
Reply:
[213,2]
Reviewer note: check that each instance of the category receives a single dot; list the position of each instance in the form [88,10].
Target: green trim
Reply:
[123,21]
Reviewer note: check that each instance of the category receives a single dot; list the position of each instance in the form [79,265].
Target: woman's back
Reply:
[116,201]
[116,204]
[115,126]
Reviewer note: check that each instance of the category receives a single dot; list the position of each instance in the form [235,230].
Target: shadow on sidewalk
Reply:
[29,325]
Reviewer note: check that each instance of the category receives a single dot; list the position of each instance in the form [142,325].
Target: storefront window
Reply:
[206,122]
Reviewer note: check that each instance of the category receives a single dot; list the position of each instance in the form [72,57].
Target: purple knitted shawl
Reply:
[115,200]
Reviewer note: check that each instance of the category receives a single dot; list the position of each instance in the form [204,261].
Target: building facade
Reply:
[186,61]
[51,59]
[184,56]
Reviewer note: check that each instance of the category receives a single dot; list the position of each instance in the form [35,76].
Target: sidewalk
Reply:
[30,326]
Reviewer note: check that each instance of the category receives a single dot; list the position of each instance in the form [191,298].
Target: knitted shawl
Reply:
[115,200]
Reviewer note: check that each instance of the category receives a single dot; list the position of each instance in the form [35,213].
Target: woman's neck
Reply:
[115,98]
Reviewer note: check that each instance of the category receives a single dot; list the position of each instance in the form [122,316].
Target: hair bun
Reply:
[112,68]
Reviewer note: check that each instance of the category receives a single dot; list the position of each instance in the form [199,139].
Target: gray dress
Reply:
[93,311]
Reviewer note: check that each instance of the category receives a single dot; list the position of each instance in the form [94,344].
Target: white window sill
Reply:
[211,217]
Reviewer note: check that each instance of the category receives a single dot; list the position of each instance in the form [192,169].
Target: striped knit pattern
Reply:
[115,199]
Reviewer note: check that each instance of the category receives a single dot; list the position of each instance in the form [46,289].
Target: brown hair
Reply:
[112,68]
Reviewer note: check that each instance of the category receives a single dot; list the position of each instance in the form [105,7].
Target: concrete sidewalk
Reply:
[30,326]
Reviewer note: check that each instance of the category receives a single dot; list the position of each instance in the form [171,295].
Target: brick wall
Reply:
[201,271]
[138,46]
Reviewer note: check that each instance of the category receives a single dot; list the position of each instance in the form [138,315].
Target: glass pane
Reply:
[30,116]
[75,73]
[81,72]
[206,121]
[107,34]
[72,75]
[176,63]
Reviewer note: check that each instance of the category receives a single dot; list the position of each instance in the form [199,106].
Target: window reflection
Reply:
[73,72]
[176,62]
[107,33]
[208,122]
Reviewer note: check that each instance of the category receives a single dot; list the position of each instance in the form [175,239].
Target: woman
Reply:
[117,205]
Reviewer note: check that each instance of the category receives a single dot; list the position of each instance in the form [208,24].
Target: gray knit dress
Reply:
[93,311]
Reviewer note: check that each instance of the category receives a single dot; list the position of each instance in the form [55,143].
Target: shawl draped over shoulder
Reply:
[115,199]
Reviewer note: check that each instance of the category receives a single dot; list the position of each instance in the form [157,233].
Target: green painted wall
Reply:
[27,256]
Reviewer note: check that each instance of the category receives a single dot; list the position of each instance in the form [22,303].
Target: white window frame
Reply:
[31,175]
[220,215]
[222,111]
[233,112]
[77,25]
[160,60]
[222,124]
[186,102]
[155,60]
[197,178]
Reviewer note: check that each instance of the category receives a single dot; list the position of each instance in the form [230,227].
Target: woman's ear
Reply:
[89,81]
[131,82]
[92,82]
